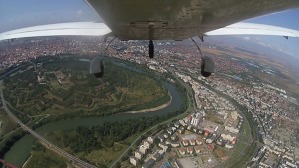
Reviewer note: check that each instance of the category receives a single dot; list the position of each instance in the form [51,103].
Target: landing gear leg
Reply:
[151,49]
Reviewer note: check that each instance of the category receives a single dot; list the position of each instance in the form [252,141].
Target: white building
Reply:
[143,149]
[133,160]
[138,155]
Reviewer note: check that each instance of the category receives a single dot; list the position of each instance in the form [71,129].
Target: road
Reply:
[44,141]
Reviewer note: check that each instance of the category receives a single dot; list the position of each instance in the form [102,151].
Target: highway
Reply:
[44,141]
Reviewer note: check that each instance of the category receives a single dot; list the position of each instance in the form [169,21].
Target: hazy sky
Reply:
[16,14]
[23,13]
[287,19]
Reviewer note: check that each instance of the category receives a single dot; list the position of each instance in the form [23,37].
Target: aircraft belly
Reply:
[179,19]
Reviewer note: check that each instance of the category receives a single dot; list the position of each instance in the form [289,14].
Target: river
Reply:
[20,151]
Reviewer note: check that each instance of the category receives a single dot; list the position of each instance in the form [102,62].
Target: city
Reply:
[234,112]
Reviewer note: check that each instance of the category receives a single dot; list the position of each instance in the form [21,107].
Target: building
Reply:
[138,154]
[182,151]
[147,144]
[192,142]
[163,146]
[232,129]
[169,130]
[143,149]
[198,141]
[228,137]
[150,139]
[175,144]
[181,130]
[182,122]
[220,141]
[211,139]
[161,138]
[185,143]
[190,150]
[196,119]
[177,124]
[197,149]
[133,160]
[148,164]
[206,134]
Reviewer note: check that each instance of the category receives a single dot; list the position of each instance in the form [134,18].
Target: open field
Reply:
[42,157]
[214,118]
[104,156]
[220,152]
[7,124]
[65,85]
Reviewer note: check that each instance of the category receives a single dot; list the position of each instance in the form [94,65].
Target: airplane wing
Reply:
[167,20]
[179,19]
[59,29]
[100,29]
[254,29]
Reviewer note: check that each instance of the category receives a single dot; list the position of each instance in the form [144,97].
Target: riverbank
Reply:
[154,108]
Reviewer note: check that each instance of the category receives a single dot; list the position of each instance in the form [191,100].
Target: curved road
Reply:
[44,141]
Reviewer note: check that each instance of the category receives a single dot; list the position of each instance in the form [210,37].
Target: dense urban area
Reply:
[238,117]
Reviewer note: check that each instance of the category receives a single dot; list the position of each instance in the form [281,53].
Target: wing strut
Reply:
[151,49]
[198,46]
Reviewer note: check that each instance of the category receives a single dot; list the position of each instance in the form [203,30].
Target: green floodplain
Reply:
[53,89]
[64,85]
